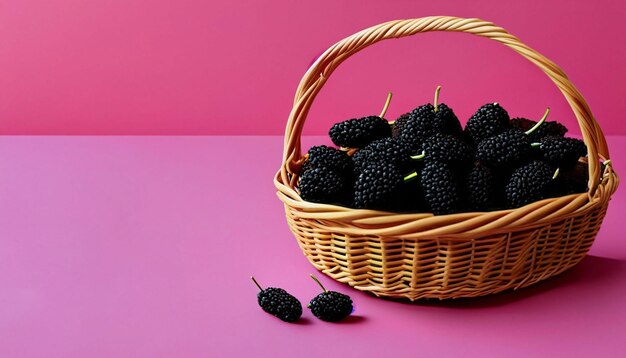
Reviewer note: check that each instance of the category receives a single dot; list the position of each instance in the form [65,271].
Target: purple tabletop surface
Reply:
[143,247]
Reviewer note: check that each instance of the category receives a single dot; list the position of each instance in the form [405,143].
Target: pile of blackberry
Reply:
[425,161]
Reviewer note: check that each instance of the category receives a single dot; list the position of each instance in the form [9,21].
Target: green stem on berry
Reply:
[256,283]
[535,145]
[543,119]
[410,176]
[556,173]
[419,156]
[319,283]
[436,102]
[387,102]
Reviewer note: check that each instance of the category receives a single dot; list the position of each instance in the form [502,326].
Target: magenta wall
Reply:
[219,67]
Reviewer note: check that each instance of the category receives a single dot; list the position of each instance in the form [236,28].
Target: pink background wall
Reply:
[218,67]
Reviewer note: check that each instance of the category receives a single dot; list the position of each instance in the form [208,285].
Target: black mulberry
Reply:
[481,188]
[358,132]
[376,184]
[448,149]
[330,306]
[426,120]
[505,149]
[441,189]
[490,120]
[322,185]
[398,125]
[423,122]
[382,150]
[529,183]
[562,152]
[327,157]
[279,303]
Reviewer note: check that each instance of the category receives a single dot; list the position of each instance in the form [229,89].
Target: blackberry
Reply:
[279,303]
[552,128]
[414,144]
[322,156]
[490,120]
[505,149]
[480,186]
[382,150]
[426,120]
[376,184]
[330,306]
[358,132]
[448,149]
[529,183]
[441,190]
[322,185]
[398,125]
[446,121]
[561,152]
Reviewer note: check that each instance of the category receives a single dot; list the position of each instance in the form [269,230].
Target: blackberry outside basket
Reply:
[449,256]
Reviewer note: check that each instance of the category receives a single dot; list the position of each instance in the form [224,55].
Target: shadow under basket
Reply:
[413,256]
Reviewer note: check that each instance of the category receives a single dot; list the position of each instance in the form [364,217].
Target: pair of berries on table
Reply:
[330,306]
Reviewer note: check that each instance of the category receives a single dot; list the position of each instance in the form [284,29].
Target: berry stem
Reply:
[535,145]
[386,106]
[556,173]
[543,119]
[319,283]
[410,176]
[419,156]
[256,283]
[436,102]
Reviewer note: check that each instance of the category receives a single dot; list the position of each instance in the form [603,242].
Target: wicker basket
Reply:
[450,256]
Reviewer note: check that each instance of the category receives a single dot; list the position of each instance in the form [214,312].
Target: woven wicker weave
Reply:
[461,255]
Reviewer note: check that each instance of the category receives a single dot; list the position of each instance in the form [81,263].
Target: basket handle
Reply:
[318,73]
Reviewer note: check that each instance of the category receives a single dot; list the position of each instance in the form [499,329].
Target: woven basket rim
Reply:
[586,204]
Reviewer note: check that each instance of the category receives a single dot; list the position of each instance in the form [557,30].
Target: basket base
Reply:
[442,294]
[449,268]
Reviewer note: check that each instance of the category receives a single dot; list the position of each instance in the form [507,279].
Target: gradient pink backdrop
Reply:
[218,67]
